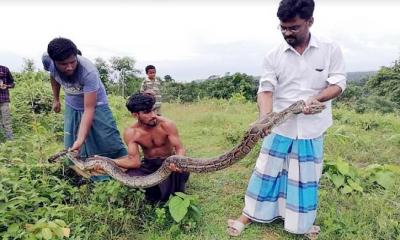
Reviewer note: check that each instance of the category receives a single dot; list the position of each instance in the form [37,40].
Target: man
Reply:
[158,138]
[285,180]
[152,85]
[89,126]
[6,82]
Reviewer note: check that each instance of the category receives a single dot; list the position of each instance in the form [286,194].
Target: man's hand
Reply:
[3,86]
[56,106]
[76,146]
[310,102]
[173,168]
[150,92]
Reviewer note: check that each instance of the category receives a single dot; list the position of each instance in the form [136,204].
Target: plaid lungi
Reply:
[284,183]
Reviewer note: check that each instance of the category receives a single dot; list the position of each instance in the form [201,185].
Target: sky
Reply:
[192,40]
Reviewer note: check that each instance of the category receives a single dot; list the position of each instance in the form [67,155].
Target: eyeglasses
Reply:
[293,29]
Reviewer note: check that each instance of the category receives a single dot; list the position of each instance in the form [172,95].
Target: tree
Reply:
[387,82]
[168,78]
[104,71]
[28,65]
[125,66]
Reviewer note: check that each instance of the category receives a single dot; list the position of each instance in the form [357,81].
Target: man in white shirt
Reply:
[285,180]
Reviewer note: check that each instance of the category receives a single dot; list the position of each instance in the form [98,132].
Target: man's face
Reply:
[148,118]
[67,66]
[296,30]
[151,74]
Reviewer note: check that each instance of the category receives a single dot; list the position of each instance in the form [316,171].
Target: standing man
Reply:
[284,183]
[153,86]
[158,138]
[89,126]
[6,82]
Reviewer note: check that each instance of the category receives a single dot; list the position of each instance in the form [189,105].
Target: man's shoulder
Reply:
[86,65]
[166,123]
[325,41]
[132,132]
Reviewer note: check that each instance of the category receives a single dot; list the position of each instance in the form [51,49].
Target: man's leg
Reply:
[304,172]
[6,120]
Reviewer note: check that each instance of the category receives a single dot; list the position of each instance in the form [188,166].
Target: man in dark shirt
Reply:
[6,82]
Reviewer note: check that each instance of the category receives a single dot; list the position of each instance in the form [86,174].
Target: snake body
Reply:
[256,131]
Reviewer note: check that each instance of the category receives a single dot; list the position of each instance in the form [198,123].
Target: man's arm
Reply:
[173,137]
[55,87]
[133,158]
[264,102]
[90,99]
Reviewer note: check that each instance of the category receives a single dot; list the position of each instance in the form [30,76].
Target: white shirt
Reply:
[292,77]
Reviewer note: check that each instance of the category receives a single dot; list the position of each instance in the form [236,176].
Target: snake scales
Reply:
[257,130]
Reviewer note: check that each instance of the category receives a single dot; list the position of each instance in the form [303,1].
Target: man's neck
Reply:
[302,46]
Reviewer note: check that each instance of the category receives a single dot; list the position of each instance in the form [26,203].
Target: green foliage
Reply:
[387,82]
[343,176]
[35,192]
[43,229]
[226,87]
[184,210]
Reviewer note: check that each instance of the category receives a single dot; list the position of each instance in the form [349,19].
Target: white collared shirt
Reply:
[292,77]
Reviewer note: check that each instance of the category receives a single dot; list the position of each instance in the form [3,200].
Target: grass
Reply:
[207,129]
[211,127]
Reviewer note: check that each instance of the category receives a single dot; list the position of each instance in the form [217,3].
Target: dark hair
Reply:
[60,49]
[148,67]
[140,102]
[289,9]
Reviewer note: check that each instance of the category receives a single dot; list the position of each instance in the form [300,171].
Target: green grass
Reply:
[209,128]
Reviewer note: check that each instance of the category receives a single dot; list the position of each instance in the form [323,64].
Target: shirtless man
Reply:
[158,138]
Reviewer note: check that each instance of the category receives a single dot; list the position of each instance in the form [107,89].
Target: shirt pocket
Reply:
[319,77]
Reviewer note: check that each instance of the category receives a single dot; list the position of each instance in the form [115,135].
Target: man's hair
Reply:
[140,102]
[60,49]
[148,67]
[289,9]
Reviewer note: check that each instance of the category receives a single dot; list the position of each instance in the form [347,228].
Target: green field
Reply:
[32,189]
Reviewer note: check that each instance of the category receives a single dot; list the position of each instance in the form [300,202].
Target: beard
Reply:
[151,123]
[292,41]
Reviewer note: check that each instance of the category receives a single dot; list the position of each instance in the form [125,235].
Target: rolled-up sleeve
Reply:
[337,71]
[268,80]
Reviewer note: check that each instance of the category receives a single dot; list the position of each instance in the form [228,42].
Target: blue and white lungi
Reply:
[284,183]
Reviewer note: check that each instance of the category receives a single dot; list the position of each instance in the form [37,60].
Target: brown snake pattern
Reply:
[257,130]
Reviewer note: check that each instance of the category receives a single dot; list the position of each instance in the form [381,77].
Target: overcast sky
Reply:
[197,39]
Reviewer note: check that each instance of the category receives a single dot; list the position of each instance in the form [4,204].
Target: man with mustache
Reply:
[158,139]
[284,183]
[89,126]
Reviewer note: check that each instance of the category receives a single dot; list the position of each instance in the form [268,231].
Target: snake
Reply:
[255,132]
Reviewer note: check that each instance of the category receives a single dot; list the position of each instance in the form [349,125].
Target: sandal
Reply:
[235,227]
[313,233]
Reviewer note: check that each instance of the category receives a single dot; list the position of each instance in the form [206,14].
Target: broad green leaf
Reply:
[13,228]
[178,208]
[60,222]
[346,189]
[343,167]
[385,179]
[46,233]
[338,180]
[354,185]
[393,168]
[181,194]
